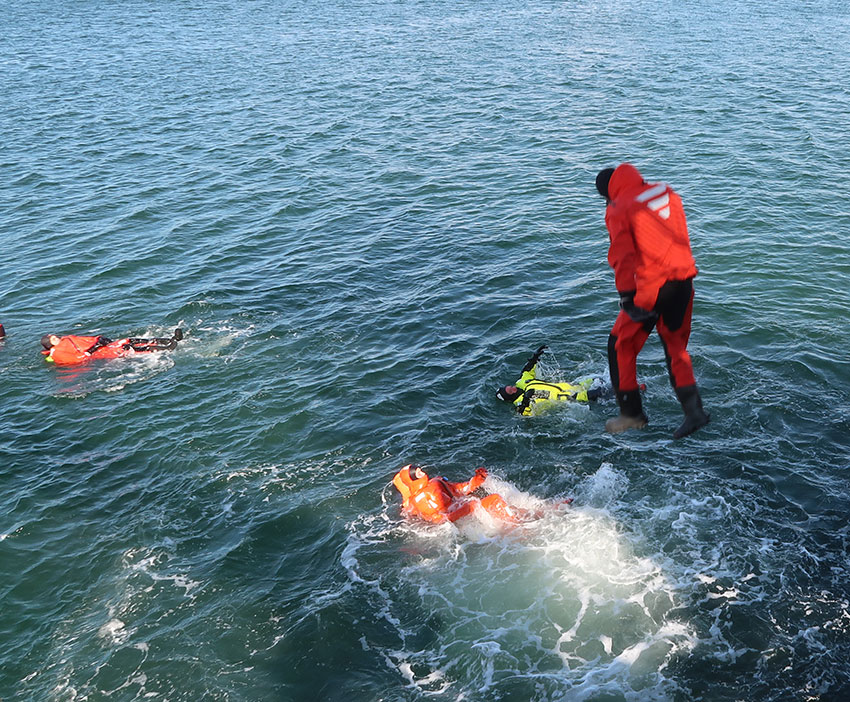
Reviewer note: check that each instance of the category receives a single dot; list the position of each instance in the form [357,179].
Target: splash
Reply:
[563,605]
[111,376]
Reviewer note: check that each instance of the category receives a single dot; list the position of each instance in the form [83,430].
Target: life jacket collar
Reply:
[407,484]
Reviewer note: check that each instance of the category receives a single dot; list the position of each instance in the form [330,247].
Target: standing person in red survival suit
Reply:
[73,350]
[437,500]
[654,269]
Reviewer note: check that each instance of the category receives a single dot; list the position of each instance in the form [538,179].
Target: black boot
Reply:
[695,417]
[631,413]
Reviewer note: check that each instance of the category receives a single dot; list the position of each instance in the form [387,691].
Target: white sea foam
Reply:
[110,376]
[210,340]
[150,565]
[114,631]
[560,604]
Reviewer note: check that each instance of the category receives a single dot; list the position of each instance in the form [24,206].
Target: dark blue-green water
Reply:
[366,215]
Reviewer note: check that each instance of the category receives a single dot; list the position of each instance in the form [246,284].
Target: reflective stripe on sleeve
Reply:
[652,192]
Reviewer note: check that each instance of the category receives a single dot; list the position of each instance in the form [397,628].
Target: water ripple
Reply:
[366,216]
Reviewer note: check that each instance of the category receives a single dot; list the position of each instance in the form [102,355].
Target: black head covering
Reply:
[506,395]
[602,180]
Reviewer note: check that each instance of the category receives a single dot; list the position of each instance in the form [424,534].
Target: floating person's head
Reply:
[508,393]
[48,341]
[410,480]
[413,472]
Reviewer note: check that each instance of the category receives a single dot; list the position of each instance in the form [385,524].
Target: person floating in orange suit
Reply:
[73,350]
[438,500]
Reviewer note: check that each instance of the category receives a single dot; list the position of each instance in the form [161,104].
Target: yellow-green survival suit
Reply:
[532,396]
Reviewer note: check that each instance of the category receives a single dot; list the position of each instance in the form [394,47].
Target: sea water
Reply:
[366,216]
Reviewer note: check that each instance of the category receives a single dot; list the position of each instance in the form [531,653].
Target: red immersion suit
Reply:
[651,256]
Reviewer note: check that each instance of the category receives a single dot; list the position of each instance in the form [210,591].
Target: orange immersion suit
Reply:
[437,500]
[73,350]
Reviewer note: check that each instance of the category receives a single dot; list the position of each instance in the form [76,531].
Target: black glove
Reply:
[534,359]
[526,401]
[636,314]
[99,343]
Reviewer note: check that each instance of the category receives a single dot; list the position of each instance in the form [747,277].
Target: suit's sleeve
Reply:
[622,256]
[471,485]
[527,377]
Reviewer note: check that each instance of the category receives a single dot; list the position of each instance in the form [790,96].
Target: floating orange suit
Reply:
[73,350]
[438,500]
